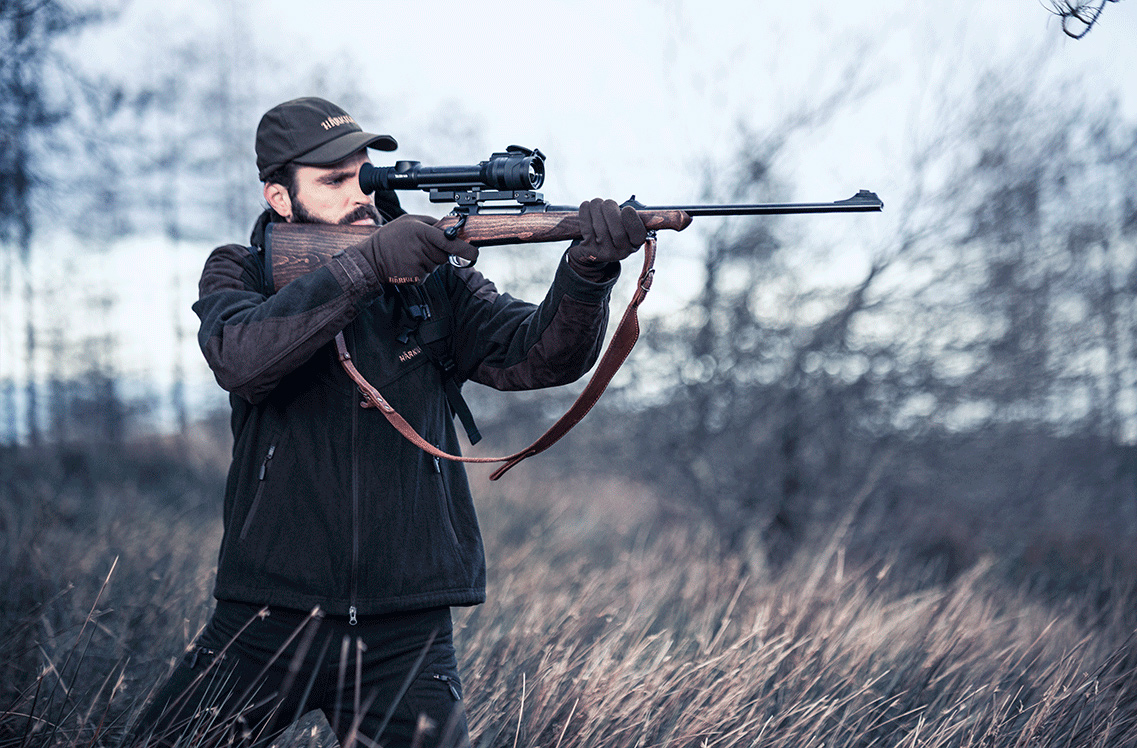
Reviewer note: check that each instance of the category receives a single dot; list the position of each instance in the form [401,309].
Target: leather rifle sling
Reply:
[619,347]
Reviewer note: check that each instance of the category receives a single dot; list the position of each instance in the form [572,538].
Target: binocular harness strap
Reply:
[623,339]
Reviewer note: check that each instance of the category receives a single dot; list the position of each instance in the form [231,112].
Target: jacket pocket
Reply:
[437,694]
[451,682]
[199,658]
[261,478]
[446,510]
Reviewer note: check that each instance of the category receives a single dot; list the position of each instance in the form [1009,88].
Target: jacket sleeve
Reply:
[509,344]
[251,337]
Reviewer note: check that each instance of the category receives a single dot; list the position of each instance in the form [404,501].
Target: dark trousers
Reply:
[389,679]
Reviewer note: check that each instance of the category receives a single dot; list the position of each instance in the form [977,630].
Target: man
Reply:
[355,541]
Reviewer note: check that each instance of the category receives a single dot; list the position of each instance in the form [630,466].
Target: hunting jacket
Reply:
[326,503]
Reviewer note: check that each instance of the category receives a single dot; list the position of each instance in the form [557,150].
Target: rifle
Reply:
[479,217]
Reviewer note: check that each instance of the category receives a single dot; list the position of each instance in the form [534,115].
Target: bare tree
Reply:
[752,419]
[36,85]
[989,344]
[1078,17]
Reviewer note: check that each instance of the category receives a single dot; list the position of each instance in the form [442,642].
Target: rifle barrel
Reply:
[863,202]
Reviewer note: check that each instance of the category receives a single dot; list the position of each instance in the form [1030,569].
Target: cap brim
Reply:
[344,146]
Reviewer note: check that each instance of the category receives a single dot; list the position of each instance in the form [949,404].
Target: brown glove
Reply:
[407,249]
[609,234]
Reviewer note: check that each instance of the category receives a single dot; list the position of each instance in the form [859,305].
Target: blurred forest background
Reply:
[960,395]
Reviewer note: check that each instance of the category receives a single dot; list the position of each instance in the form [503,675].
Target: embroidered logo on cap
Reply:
[344,119]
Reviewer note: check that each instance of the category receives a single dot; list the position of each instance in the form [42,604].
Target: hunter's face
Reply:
[331,194]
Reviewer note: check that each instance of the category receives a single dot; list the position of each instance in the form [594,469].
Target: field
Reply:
[607,624]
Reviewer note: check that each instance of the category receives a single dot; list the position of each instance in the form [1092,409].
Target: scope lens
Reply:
[536,176]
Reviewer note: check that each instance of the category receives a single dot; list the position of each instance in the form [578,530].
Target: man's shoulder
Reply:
[236,250]
[234,254]
[229,266]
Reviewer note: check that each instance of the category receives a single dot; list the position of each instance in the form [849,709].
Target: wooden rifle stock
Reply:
[294,249]
[495,229]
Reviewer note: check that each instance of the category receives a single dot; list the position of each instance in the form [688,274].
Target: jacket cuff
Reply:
[587,286]
[354,272]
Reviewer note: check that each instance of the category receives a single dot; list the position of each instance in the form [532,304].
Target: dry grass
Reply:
[671,645]
[605,627]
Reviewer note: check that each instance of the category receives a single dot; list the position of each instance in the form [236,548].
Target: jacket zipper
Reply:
[260,491]
[445,498]
[449,682]
[351,611]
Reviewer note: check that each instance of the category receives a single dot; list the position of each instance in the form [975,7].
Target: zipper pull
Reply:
[446,679]
[351,619]
[268,459]
[437,464]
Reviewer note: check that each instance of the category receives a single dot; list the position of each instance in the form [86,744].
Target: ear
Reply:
[277,198]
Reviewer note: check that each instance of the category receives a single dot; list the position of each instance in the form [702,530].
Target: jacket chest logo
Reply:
[408,355]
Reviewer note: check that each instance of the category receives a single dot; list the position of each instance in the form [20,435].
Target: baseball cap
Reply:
[313,132]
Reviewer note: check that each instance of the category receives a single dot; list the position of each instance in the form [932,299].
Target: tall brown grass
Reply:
[606,626]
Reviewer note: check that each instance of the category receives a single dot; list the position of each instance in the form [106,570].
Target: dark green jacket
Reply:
[326,504]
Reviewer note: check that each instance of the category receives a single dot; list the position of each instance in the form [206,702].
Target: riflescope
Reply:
[518,169]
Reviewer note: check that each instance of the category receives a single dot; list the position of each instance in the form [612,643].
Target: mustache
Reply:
[361,212]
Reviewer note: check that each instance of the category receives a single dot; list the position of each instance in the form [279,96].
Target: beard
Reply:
[300,214]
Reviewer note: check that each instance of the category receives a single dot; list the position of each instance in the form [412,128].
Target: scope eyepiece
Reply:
[517,169]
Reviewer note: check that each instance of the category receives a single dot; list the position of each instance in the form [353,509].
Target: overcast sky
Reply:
[628,96]
[632,95]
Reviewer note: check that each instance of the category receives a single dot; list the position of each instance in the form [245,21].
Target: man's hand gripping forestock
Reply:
[608,234]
